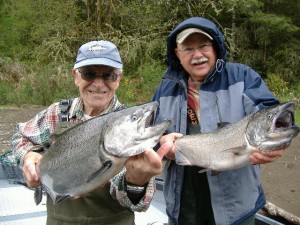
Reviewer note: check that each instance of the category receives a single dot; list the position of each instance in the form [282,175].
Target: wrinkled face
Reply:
[197,56]
[96,87]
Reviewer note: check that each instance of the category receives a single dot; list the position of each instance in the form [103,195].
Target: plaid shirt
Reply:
[36,134]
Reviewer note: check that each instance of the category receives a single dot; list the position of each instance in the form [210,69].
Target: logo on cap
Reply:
[96,48]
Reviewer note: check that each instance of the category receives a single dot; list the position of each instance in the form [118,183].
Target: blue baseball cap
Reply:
[98,53]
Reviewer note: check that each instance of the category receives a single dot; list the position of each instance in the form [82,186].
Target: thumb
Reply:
[164,149]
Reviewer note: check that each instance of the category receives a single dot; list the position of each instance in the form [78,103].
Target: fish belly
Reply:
[216,153]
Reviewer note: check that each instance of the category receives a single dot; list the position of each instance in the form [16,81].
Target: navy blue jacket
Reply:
[229,92]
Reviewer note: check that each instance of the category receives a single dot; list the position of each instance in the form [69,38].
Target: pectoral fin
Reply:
[56,198]
[203,170]
[237,150]
[60,198]
[105,166]
[222,124]
[213,172]
[38,195]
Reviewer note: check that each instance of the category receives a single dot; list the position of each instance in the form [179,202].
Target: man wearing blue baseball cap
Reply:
[97,73]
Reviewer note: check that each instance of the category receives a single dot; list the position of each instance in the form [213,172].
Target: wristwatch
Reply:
[135,189]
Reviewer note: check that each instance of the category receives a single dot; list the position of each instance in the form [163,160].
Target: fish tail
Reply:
[38,195]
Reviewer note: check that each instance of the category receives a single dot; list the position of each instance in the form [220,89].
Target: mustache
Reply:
[200,60]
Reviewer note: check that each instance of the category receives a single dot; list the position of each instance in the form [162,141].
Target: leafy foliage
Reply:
[39,41]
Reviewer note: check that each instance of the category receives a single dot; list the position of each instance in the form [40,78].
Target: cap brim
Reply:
[98,61]
[185,33]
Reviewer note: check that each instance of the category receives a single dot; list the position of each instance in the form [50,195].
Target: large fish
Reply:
[229,147]
[89,154]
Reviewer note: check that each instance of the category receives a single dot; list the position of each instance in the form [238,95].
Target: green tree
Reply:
[40,36]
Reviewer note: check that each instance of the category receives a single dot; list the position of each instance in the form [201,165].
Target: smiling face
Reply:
[197,56]
[97,93]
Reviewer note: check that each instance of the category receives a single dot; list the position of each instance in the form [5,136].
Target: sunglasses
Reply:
[90,75]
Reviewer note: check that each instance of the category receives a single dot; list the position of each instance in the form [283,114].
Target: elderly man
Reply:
[97,73]
[201,91]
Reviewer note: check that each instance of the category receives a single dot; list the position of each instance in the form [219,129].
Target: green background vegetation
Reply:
[39,40]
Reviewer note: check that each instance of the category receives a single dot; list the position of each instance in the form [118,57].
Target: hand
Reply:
[170,138]
[265,156]
[31,162]
[141,168]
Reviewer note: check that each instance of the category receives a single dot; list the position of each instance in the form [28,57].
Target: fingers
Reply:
[31,160]
[164,149]
[265,157]
[141,168]
[171,154]
[152,159]
[170,137]
[273,154]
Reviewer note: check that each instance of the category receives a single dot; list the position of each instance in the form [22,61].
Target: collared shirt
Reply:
[36,134]
[195,202]
[193,102]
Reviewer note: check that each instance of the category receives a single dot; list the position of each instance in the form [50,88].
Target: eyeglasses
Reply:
[201,48]
[90,75]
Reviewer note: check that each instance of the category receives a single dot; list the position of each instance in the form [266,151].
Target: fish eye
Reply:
[134,117]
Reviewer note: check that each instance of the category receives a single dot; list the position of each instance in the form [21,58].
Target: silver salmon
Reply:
[89,154]
[229,147]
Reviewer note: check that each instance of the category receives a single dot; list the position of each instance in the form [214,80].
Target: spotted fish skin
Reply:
[229,147]
[89,154]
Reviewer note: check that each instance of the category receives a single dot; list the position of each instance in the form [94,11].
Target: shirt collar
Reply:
[76,109]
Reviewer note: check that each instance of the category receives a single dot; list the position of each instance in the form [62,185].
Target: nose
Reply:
[98,81]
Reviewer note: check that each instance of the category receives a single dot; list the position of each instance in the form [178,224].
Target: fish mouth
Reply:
[134,131]
[147,127]
[283,128]
[149,122]
[284,119]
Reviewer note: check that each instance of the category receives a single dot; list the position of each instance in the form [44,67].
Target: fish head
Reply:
[130,131]
[272,128]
